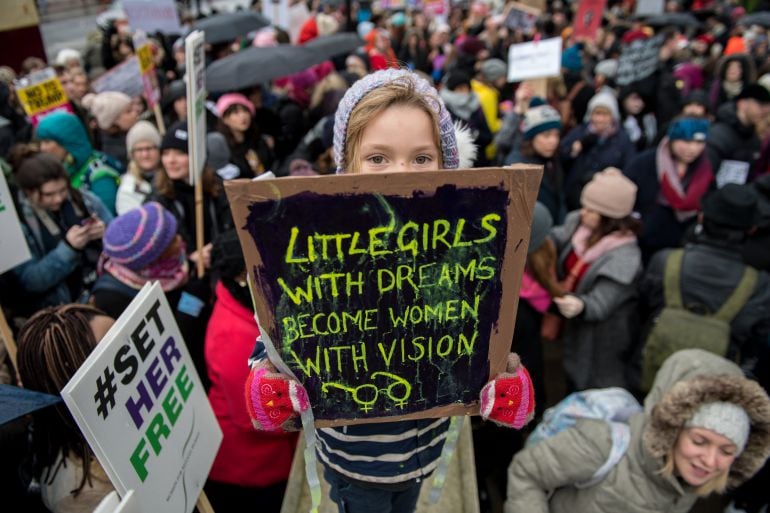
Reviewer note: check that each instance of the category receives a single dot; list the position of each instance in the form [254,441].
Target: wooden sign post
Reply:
[388,294]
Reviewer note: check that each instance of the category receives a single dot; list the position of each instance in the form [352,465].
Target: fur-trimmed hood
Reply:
[694,377]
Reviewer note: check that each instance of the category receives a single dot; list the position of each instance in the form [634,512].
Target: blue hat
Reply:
[688,129]
[571,59]
[540,117]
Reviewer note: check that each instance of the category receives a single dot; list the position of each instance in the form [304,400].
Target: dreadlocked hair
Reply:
[53,344]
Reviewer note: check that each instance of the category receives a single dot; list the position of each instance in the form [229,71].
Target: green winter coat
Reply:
[541,477]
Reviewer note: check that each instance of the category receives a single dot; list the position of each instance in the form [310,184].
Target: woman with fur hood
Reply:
[704,428]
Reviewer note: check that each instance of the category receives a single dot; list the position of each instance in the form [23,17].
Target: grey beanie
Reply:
[449,150]
[492,69]
[218,156]
[541,226]
[726,419]
[606,99]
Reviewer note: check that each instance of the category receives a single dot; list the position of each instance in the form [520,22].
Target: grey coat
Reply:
[541,478]
[597,343]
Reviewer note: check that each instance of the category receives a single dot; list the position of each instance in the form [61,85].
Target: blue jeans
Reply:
[353,498]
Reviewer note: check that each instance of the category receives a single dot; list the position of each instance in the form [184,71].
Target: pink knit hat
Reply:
[106,107]
[228,100]
[610,194]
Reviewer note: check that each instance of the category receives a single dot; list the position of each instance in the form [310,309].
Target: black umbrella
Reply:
[257,65]
[677,19]
[756,18]
[220,28]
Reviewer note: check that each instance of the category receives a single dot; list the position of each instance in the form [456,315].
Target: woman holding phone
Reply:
[63,228]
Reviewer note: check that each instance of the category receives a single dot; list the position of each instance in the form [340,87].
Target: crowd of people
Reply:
[651,234]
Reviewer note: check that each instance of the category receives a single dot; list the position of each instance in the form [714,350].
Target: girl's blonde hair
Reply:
[396,93]
[717,484]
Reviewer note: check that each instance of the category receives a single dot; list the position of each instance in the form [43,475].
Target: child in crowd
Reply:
[391,120]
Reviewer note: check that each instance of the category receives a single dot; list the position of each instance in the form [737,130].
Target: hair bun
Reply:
[88,101]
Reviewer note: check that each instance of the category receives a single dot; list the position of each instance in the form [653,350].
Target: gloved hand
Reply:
[509,399]
[273,399]
[570,306]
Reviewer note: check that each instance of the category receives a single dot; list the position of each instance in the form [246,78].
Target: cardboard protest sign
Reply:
[13,245]
[588,18]
[436,8]
[195,61]
[147,69]
[388,294]
[153,16]
[537,59]
[521,17]
[42,94]
[125,77]
[143,410]
[638,60]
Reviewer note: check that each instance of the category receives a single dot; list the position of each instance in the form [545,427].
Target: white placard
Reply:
[143,410]
[13,245]
[125,77]
[113,504]
[195,60]
[153,16]
[277,11]
[732,171]
[537,59]
[649,7]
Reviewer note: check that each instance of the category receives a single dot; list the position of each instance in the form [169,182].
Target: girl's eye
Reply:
[423,159]
[698,441]
[376,159]
[727,452]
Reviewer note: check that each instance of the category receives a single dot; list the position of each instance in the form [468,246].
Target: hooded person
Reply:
[672,178]
[64,136]
[598,143]
[704,427]
[464,106]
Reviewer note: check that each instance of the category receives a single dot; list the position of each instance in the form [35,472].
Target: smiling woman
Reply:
[704,427]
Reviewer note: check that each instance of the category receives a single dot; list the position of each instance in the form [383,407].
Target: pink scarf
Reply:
[171,272]
[685,203]
[606,244]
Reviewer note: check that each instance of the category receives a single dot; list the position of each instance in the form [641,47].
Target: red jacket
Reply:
[247,457]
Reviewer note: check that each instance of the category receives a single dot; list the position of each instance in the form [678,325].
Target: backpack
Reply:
[677,328]
[613,405]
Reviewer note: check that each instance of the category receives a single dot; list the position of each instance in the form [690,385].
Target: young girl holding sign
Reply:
[391,120]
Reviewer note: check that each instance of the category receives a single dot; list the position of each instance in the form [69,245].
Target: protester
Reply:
[388,121]
[540,145]
[143,144]
[251,467]
[487,85]
[53,344]
[704,427]
[671,179]
[464,106]
[63,135]
[735,72]
[600,142]
[639,124]
[115,114]
[63,228]
[177,195]
[733,136]
[599,263]
[249,150]
[712,267]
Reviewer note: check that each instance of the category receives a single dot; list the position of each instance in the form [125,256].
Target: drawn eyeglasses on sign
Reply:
[360,393]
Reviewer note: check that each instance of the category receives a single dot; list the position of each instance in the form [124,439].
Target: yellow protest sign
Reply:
[146,63]
[42,97]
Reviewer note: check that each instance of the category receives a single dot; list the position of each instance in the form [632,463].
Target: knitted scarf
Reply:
[683,199]
[604,245]
[171,272]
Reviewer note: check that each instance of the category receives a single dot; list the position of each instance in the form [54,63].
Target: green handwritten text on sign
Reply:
[383,307]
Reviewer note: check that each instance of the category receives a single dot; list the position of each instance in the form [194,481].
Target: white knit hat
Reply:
[606,99]
[142,131]
[726,419]
[106,107]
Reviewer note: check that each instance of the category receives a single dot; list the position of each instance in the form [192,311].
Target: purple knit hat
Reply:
[449,153]
[137,238]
